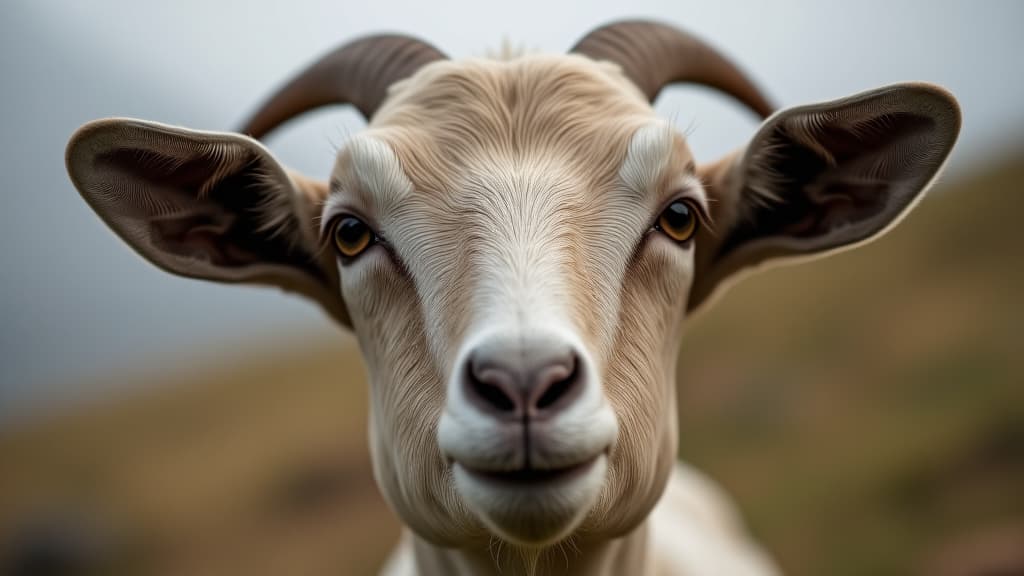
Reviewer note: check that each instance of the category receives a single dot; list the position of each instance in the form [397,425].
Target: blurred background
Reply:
[866,411]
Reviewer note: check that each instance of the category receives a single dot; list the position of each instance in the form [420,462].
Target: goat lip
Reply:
[526,477]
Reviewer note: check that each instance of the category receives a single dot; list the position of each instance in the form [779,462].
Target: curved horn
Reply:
[653,55]
[358,73]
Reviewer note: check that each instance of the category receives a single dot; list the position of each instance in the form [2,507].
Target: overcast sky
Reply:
[77,304]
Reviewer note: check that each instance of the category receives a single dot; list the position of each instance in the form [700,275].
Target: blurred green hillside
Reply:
[865,410]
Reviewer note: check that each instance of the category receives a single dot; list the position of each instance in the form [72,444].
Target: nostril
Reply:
[492,395]
[489,387]
[558,389]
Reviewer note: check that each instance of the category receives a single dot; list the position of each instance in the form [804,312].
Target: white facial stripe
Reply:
[520,258]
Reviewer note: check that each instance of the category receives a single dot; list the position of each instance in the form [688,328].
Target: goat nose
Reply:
[521,378]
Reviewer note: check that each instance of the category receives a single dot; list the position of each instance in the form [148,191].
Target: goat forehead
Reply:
[524,190]
[517,190]
[452,113]
[490,90]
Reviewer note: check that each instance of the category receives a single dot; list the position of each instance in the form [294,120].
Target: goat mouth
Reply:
[529,477]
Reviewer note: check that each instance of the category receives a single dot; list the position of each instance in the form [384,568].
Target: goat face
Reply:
[517,244]
[520,301]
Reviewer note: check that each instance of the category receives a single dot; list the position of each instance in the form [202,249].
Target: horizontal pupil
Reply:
[352,231]
[678,215]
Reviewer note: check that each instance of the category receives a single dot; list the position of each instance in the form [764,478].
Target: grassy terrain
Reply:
[867,412]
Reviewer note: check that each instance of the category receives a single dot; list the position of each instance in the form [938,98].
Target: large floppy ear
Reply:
[215,206]
[820,177]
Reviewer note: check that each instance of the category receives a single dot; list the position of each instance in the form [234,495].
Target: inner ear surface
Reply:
[213,206]
[209,205]
[226,228]
[822,171]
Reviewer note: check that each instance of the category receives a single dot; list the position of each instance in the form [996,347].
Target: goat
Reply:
[515,244]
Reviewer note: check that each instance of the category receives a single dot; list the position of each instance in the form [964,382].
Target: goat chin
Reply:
[534,514]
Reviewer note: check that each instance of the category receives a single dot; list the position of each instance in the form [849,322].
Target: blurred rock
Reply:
[316,485]
[56,547]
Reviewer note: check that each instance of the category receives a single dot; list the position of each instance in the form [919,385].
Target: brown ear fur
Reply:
[823,177]
[215,206]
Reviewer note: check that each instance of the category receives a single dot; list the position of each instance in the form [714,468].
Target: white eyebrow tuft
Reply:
[647,158]
[373,178]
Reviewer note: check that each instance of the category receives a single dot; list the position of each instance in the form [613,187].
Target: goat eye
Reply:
[352,236]
[678,221]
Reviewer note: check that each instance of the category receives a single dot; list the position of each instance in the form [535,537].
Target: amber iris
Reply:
[352,236]
[678,221]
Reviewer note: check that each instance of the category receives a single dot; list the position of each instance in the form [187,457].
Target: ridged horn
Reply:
[357,73]
[654,55]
